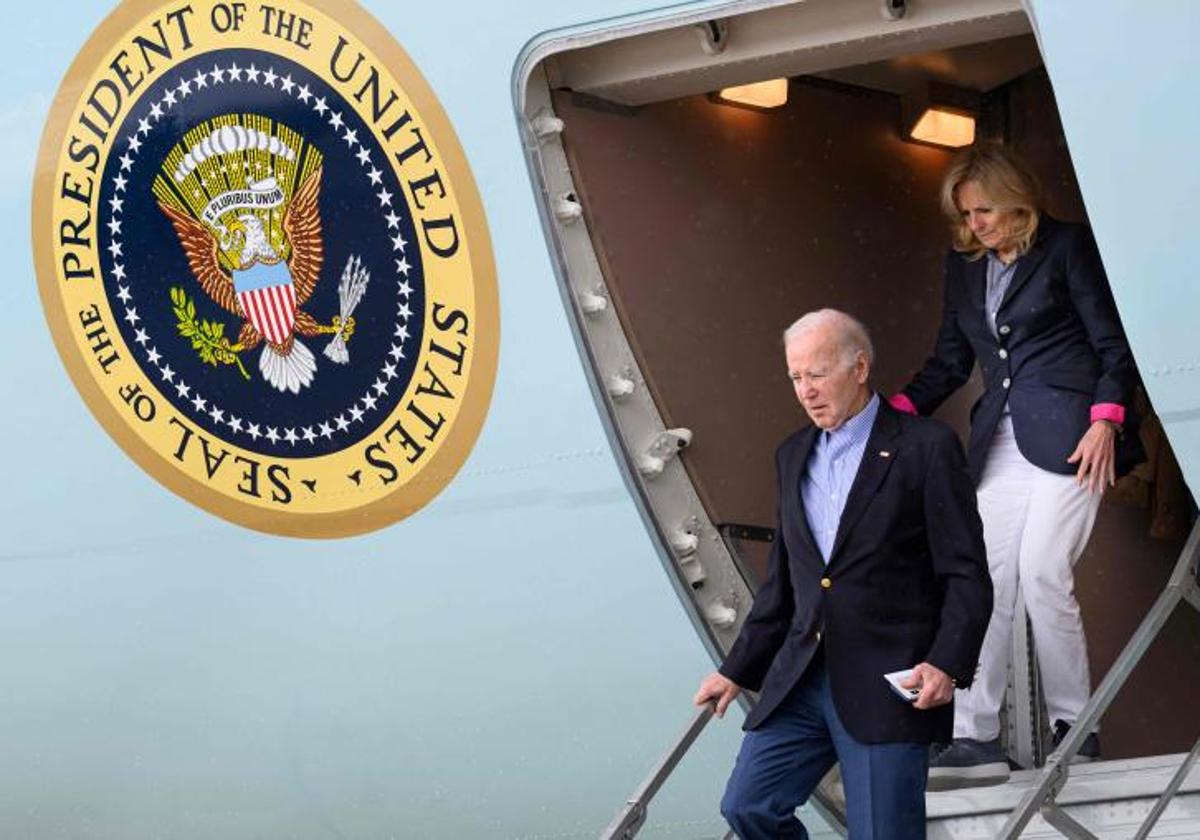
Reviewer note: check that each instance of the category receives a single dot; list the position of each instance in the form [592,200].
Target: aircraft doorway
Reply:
[707,228]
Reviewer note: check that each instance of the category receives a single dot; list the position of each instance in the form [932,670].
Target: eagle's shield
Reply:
[268,298]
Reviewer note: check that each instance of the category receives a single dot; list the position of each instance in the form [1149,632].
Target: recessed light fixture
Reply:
[940,115]
[943,127]
[769,94]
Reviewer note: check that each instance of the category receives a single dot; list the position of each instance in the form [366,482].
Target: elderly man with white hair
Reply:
[878,566]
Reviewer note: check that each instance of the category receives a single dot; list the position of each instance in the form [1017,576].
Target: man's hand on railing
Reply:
[716,686]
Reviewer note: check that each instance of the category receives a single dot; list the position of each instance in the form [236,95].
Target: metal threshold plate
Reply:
[1110,797]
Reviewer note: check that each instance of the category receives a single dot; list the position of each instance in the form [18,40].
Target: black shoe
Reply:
[968,763]
[1089,751]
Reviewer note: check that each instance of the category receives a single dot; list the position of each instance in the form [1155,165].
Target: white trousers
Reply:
[1035,526]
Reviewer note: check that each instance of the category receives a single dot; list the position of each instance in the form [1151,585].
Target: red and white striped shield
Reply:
[268,299]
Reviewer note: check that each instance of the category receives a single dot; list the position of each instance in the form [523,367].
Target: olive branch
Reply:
[207,337]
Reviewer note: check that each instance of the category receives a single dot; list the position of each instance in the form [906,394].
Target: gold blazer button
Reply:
[826,583]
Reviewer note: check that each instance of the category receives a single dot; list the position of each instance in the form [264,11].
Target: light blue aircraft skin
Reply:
[509,661]
[1125,77]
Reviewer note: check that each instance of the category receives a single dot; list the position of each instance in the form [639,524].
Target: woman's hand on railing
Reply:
[716,686]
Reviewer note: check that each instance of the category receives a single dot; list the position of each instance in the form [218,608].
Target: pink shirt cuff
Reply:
[901,402]
[1112,412]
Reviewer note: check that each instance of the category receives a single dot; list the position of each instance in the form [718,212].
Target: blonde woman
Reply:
[1026,298]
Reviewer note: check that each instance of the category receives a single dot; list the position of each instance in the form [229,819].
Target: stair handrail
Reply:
[1040,797]
[632,816]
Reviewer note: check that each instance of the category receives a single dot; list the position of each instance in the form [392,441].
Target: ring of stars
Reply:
[176,92]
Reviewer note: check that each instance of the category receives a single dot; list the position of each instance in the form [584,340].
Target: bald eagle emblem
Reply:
[241,193]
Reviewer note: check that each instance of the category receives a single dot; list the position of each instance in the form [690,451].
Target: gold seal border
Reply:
[445,463]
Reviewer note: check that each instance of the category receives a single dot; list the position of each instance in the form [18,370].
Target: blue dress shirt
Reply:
[999,278]
[829,474]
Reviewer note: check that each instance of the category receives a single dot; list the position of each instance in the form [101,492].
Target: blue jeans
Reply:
[783,760]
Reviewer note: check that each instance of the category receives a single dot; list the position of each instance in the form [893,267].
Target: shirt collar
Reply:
[994,260]
[855,430]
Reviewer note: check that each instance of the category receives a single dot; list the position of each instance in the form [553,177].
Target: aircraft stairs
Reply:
[1139,798]
[1110,799]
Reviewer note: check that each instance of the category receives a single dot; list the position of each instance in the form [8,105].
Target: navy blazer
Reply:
[1061,349]
[907,582]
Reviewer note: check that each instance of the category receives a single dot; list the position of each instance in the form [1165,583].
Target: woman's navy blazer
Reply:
[1060,350]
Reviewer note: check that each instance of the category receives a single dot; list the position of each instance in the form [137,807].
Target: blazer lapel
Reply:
[791,486]
[1026,263]
[977,272]
[876,461]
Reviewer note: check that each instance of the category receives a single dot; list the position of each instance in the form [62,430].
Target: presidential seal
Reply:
[264,261]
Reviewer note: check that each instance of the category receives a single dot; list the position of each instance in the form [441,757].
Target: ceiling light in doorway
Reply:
[937,114]
[769,94]
[943,127]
